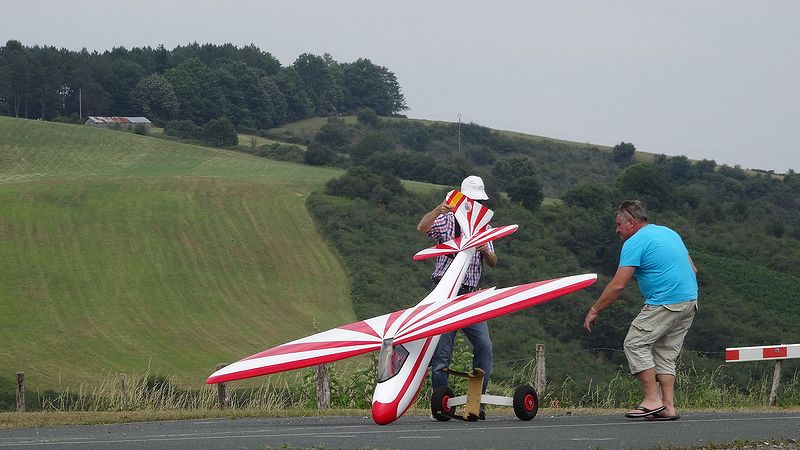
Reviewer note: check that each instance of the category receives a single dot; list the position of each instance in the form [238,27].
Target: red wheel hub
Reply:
[445,408]
[529,402]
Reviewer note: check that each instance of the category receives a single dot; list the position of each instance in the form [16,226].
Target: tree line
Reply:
[195,82]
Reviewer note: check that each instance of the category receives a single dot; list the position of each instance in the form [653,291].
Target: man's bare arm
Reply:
[427,220]
[489,257]
[611,292]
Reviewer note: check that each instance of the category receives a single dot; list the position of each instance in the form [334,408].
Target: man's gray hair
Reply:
[633,208]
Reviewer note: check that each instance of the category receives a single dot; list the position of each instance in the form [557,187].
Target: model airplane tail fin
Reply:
[473,219]
[472,216]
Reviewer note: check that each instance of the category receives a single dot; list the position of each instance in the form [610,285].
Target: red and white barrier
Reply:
[763,353]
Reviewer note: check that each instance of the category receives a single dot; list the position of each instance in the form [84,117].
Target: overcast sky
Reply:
[706,79]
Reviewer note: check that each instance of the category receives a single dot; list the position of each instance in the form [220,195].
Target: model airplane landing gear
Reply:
[443,401]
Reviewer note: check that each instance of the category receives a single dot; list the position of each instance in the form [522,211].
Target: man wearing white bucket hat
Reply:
[440,223]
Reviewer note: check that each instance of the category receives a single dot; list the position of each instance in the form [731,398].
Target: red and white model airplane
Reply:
[407,338]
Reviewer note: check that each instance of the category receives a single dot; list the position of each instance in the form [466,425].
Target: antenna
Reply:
[459,133]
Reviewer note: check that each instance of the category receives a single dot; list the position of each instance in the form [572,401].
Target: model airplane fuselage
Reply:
[407,338]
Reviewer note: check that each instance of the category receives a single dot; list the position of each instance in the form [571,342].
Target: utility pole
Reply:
[459,133]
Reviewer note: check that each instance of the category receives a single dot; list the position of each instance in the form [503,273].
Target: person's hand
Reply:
[591,319]
[443,208]
[482,248]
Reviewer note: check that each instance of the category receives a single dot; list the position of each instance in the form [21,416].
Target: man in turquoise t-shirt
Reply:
[658,259]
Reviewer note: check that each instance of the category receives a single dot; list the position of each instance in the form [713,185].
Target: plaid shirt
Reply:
[444,229]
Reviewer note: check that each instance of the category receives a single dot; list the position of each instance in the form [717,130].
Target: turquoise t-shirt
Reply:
[663,270]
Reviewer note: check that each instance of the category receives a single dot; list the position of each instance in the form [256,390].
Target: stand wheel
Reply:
[526,402]
[439,408]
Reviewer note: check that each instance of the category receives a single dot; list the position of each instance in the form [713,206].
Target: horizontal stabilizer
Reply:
[458,244]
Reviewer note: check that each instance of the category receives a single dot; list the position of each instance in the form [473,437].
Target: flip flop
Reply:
[659,417]
[644,412]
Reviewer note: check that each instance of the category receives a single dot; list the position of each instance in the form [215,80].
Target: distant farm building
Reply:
[117,122]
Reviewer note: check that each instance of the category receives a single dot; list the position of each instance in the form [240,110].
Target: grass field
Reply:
[307,128]
[31,150]
[124,252]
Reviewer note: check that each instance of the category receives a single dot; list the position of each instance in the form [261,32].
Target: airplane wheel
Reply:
[526,402]
[439,400]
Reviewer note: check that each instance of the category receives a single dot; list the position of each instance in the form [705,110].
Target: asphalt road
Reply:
[416,432]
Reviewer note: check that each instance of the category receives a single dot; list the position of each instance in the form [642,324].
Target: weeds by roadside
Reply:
[153,396]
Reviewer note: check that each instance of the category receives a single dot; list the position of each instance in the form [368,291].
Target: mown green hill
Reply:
[122,253]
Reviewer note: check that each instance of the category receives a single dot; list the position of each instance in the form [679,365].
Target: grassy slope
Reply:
[34,150]
[122,252]
[307,128]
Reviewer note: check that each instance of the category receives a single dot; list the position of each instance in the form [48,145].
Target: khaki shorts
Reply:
[656,336]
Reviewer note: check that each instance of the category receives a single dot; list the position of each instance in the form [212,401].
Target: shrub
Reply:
[371,143]
[367,116]
[508,169]
[220,133]
[184,129]
[482,156]
[72,118]
[646,182]
[526,191]
[623,152]
[333,134]
[318,155]
[588,194]
[280,152]
[360,182]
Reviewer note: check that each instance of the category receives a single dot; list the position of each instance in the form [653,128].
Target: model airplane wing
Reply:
[406,325]
[449,315]
[328,346]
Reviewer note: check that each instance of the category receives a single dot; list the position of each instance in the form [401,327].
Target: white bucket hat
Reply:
[472,187]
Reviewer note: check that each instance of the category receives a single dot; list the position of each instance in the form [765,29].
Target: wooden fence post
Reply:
[776,381]
[222,391]
[540,379]
[123,380]
[20,391]
[323,387]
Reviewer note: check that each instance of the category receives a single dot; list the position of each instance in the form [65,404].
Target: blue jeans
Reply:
[478,336]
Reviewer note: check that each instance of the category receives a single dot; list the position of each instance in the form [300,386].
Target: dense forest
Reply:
[195,82]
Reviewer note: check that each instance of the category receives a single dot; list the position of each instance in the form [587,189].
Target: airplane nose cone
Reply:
[384,413]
